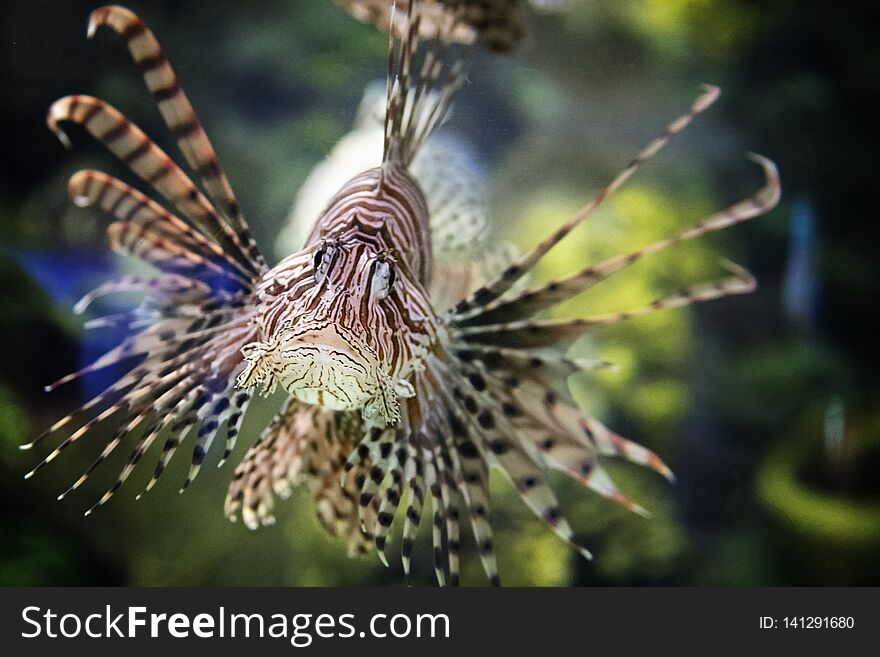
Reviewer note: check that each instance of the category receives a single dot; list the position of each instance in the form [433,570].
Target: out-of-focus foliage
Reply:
[736,396]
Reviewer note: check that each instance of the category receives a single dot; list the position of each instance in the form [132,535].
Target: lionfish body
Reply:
[393,399]
[335,334]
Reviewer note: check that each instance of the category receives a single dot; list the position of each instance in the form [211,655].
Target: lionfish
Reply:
[394,396]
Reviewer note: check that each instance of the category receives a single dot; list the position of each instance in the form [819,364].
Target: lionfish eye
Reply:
[323,260]
[383,278]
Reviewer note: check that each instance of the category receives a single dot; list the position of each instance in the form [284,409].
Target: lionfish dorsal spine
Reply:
[422,78]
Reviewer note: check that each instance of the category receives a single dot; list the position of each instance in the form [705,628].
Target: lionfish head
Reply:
[344,324]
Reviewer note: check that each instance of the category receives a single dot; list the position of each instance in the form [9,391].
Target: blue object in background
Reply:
[800,292]
[65,276]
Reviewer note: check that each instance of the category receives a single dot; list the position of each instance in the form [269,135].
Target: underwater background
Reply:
[767,406]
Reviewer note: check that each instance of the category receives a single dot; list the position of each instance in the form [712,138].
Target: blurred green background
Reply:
[765,406]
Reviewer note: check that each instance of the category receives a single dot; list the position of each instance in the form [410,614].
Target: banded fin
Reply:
[303,445]
[150,163]
[503,371]
[179,116]
[183,353]
[532,333]
[420,86]
[138,213]
[509,277]
[536,300]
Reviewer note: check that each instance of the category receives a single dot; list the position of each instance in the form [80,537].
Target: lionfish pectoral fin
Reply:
[483,297]
[182,121]
[506,369]
[183,351]
[304,444]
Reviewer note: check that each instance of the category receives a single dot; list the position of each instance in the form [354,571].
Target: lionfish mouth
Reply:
[325,368]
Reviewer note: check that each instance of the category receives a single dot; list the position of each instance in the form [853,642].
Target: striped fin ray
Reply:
[164,284]
[179,115]
[570,442]
[173,402]
[303,445]
[149,162]
[174,391]
[269,467]
[233,424]
[548,367]
[167,324]
[184,377]
[79,430]
[180,431]
[501,446]
[474,489]
[419,87]
[413,472]
[572,452]
[208,412]
[389,501]
[605,441]
[469,481]
[440,477]
[401,457]
[453,535]
[447,537]
[158,334]
[137,402]
[154,248]
[365,468]
[523,265]
[132,208]
[525,334]
[125,321]
[425,474]
[533,301]
[127,350]
[181,424]
[521,463]
[113,394]
[445,512]
[438,512]
[214,411]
